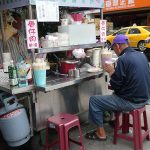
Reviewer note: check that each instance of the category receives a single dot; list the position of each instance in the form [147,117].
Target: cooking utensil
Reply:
[66,65]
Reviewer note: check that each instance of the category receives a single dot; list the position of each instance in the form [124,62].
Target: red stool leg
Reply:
[81,139]
[61,137]
[125,123]
[117,124]
[146,125]
[135,129]
[140,130]
[67,138]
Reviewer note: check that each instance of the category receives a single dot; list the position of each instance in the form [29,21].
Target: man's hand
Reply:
[109,68]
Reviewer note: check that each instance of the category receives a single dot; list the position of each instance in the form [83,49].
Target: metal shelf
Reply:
[66,48]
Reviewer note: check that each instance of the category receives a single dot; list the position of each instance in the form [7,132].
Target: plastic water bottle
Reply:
[12,74]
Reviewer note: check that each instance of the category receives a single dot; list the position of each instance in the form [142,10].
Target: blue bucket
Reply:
[40,77]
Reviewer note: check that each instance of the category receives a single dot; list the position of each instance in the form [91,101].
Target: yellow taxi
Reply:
[136,34]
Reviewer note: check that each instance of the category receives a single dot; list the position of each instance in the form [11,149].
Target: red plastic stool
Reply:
[138,136]
[63,123]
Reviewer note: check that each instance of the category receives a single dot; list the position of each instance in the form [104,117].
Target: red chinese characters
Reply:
[32,34]
[103,30]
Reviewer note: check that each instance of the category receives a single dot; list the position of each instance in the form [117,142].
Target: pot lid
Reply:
[70,61]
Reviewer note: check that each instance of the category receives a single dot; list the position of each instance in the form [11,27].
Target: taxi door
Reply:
[134,36]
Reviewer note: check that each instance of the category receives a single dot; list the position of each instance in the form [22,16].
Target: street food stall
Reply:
[62,92]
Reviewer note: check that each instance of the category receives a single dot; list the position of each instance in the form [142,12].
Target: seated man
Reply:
[130,81]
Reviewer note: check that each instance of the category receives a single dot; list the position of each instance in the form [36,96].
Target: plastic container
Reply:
[96,57]
[12,74]
[40,77]
[106,56]
[22,74]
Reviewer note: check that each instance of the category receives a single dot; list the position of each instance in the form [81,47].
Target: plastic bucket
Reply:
[40,77]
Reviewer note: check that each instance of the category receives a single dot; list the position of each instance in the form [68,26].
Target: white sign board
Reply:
[7,4]
[78,3]
[47,11]
[32,34]
[103,30]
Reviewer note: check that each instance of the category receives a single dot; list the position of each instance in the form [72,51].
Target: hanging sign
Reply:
[103,30]
[32,34]
[116,5]
[47,11]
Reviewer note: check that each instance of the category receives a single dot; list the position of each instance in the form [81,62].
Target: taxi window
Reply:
[134,31]
[122,31]
[147,28]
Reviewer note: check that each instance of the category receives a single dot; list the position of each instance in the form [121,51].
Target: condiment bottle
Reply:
[12,74]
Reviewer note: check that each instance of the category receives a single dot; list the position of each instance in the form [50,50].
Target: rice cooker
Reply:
[66,65]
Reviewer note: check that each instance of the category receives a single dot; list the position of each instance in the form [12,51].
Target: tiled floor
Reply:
[36,143]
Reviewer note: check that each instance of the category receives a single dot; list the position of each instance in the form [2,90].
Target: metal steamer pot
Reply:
[66,65]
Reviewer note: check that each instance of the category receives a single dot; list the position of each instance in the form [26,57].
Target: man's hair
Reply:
[123,45]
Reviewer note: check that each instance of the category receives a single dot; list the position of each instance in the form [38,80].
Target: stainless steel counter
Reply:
[53,82]
[15,90]
[60,82]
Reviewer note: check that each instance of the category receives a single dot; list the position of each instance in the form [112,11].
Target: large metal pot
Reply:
[66,65]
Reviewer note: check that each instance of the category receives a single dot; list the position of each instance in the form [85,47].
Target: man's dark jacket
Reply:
[131,79]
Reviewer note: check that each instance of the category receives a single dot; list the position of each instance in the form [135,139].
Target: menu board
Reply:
[45,9]
[6,4]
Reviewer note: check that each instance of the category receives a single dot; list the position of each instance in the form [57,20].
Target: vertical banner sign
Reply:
[47,11]
[32,34]
[103,30]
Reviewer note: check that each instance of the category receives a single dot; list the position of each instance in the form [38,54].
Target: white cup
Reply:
[6,57]
[5,66]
